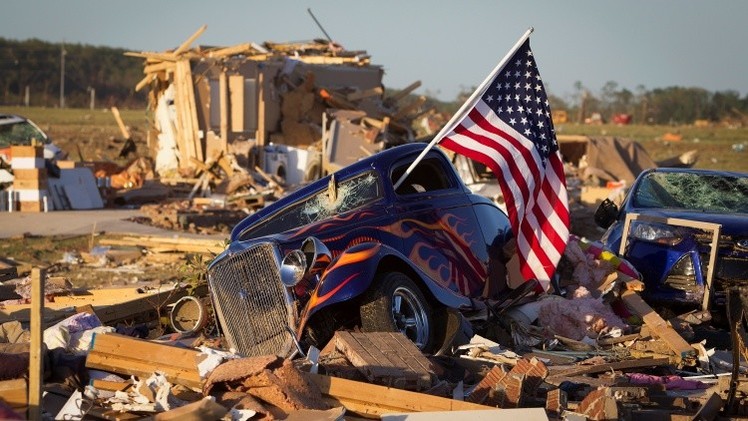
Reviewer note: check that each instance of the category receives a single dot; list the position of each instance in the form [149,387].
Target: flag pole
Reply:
[469,103]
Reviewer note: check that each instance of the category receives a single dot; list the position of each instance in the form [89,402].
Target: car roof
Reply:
[701,171]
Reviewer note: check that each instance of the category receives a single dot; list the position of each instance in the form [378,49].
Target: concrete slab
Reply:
[81,223]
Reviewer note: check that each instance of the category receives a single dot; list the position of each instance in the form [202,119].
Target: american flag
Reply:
[509,129]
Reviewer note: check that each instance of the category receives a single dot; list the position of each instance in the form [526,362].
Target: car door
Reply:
[437,227]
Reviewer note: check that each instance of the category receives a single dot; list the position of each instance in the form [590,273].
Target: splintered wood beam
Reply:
[397,96]
[143,82]
[355,96]
[186,45]
[581,370]
[153,68]
[231,51]
[152,56]
[657,325]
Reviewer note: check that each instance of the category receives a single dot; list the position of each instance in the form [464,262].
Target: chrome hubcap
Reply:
[410,316]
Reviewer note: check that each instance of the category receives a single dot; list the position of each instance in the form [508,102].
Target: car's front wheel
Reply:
[395,303]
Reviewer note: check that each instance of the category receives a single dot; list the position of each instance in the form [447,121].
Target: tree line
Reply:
[670,105]
[39,73]
[32,72]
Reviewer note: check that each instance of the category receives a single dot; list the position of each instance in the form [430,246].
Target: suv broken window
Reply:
[698,192]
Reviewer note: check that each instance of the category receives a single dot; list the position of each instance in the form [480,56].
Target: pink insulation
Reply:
[576,318]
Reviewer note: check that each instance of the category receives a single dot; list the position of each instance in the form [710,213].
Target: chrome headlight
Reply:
[656,233]
[293,268]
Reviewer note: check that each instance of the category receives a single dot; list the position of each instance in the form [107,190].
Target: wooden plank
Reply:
[154,303]
[201,246]
[618,365]
[109,304]
[223,98]
[14,392]
[110,414]
[374,400]
[143,82]
[126,355]
[261,131]
[355,96]
[658,325]
[185,132]
[151,55]
[397,96]
[111,386]
[236,98]
[36,356]
[231,51]
[192,110]
[187,109]
[186,44]
[159,67]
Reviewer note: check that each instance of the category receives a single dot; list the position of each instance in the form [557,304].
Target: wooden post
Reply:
[223,96]
[261,111]
[36,356]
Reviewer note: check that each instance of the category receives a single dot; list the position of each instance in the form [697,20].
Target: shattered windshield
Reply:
[351,194]
[693,191]
[20,133]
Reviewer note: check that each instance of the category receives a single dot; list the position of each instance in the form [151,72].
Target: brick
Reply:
[512,385]
[534,371]
[556,403]
[490,382]
[598,405]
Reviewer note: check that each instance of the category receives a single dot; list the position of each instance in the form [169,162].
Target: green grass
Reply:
[97,134]
[715,144]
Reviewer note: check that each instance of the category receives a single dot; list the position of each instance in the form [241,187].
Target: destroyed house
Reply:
[263,105]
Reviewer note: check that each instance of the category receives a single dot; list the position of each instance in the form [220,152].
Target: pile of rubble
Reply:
[590,349]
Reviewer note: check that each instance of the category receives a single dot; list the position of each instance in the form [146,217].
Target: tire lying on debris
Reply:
[394,303]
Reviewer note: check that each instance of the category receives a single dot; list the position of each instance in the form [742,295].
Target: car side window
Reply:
[429,175]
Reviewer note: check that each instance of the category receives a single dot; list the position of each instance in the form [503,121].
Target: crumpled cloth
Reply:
[670,382]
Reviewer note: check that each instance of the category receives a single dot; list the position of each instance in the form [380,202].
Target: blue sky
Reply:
[448,46]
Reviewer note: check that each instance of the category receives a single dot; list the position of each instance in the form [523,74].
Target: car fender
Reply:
[353,271]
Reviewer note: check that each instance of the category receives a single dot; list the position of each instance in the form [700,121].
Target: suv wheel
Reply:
[394,303]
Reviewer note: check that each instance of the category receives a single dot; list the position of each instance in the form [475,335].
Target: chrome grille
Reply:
[251,302]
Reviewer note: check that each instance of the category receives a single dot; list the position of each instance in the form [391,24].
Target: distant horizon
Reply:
[449,48]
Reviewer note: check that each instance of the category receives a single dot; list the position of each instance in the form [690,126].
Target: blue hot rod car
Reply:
[675,259]
[349,250]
